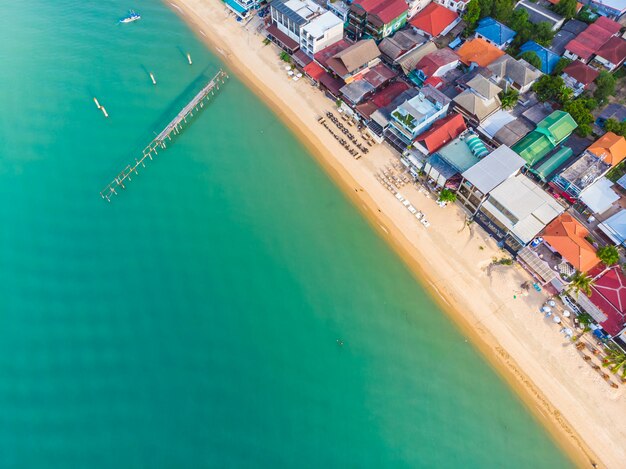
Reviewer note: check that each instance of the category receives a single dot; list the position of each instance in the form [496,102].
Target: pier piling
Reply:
[175,127]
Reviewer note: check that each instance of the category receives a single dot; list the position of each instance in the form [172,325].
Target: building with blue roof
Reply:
[548,58]
[495,32]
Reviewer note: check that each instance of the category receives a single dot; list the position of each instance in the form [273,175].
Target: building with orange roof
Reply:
[478,51]
[611,147]
[566,236]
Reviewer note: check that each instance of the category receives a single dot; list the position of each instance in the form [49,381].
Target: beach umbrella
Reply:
[568,332]
[552,303]
[546,309]
[556,319]
[566,313]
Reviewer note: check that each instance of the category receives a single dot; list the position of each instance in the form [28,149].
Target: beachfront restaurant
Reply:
[516,211]
[478,181]
[443,169]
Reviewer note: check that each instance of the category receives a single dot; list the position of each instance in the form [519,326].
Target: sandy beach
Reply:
[452,260]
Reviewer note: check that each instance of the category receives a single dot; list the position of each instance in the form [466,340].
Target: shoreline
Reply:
[491,339]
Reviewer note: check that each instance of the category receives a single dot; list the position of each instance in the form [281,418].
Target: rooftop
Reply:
[611,147]
[517,71]
[495,31]
[567,236]
[318,26]
[538,14]
[415,110]
[357,90]
[430,63]
[591,39]
[613,50]
[529,208]
[548,58]
[459,154]
[385,10]
[569,31]
[494,168]
[609,294]
[615,227]
[434,19]
[478,51]
[584,171]
[549,133]
[512,132]
[581,72]
[613,111]
[299,11]
[443,131]
[400,43]
[382,98]
[354,57]
[599,196]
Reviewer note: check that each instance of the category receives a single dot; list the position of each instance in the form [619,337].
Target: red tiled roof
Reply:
[430,63]
[434,19]
[379,75]
[567,236]
[314,70]
[608,24]
[581,72]
[382,98]
[613,50]
[591,39]
[322,56]
[609,295]
[443,131]
[386,10]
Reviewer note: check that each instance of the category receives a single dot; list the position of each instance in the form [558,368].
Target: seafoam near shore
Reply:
[585,416]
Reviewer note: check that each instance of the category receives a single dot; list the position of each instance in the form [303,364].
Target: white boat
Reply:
[132,16]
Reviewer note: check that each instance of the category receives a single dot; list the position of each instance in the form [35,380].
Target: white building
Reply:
[454,5]
[291,15]
[321,32]
[416,6]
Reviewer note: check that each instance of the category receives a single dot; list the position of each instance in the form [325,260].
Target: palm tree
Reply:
[615,360]
[581,282]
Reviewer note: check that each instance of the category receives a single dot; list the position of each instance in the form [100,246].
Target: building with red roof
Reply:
[609,297]
[587,43]
[578,76]
[612,54]
[382,98]
[435,20]
[442,132]
[376,18]
[436,64]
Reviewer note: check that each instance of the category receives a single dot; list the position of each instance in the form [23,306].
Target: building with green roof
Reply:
[548,134]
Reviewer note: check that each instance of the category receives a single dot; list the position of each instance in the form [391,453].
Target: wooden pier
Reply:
[174,127]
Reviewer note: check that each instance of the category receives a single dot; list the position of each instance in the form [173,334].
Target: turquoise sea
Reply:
[193,321]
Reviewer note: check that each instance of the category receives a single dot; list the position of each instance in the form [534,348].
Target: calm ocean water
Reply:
[193,321]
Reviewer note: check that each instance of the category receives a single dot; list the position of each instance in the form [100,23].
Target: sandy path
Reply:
[539,363]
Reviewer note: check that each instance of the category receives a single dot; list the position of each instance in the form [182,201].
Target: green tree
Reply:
[605,87]
[543,33]
[580,110]
[560,65]
[518,20]
[472,13]
[486,7]
[615,360]
[580,282]
[550,88]
[613,125]
[509,98]
[502,10]
[447,195]
[609,255]
[532,58]
[566,8]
